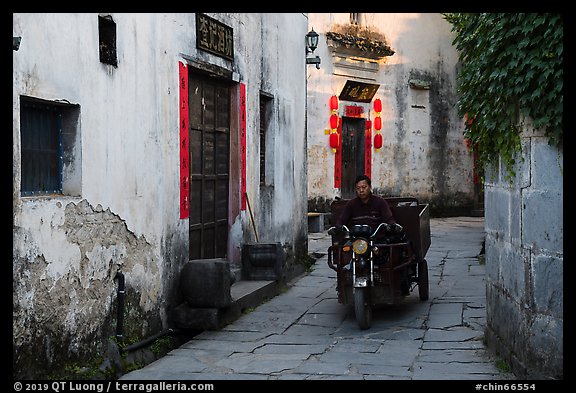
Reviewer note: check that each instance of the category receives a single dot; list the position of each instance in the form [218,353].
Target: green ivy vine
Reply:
[510,69]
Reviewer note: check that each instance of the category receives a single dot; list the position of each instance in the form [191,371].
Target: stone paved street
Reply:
[305,334]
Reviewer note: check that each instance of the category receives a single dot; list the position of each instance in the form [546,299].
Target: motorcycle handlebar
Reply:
[387,227]
[338,228]
[396,228]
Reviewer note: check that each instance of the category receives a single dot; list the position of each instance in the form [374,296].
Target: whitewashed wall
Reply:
[125,217]
[424,153]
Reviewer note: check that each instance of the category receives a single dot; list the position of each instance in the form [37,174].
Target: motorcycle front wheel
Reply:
[362,308]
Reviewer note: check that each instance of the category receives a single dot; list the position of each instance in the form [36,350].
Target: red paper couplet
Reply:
[184,164]
[243,146]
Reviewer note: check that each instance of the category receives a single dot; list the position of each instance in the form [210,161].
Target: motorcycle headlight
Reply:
[360,246]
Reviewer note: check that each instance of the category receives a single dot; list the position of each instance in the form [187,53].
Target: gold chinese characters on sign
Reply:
[358,91]
[214,36]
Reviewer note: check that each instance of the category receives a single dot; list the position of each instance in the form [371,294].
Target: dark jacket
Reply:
[374,212]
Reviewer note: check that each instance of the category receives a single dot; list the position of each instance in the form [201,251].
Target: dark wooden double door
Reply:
[353,154]
[209,133]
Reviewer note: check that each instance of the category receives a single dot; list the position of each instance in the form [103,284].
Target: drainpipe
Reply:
[120,321]
[150,340]
[120,315]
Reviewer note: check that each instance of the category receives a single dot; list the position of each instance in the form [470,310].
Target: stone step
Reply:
[245,295]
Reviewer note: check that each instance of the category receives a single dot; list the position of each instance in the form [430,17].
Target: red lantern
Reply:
[378,123]
[334,140]
[377,105]
[333,103]
[334,121]
[468,120]
[378,141]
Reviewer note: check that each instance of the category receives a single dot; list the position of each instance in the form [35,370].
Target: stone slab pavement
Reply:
[305,334]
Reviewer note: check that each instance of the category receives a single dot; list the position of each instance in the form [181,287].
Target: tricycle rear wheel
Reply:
[423,286]
[362,308]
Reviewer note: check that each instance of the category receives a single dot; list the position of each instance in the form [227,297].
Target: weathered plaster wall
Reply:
[524,261]
[275,66]
[124,212]
[67,254]
[424,154]
[67,250]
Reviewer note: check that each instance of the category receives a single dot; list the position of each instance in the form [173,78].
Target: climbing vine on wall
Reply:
[511,69]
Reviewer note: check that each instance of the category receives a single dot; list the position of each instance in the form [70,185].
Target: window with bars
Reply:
[355,18]
[49,148]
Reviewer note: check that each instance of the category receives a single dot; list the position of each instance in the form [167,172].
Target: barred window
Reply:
[355,18]
[41,132]
[50,148]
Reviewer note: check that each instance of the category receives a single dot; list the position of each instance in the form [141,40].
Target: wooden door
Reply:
[353,147]
[209,101]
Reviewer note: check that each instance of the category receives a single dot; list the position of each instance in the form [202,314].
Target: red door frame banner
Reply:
[184,150]
[243,146]
[368,150]
[338,159]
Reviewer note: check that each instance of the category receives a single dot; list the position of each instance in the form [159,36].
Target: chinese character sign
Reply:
[214,36]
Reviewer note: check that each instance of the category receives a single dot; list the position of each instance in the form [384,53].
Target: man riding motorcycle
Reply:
[366,208]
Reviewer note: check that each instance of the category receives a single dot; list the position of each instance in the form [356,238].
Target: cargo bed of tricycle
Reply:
[393,280]
[408,212]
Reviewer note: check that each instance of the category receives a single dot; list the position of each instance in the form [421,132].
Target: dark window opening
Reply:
[41,136]
[265,113]
[107,40]
[50,149]
[355,18]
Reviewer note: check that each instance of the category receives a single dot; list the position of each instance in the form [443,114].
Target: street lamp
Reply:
[311,45]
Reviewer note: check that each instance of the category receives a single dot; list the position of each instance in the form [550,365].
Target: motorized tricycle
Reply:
[382,265]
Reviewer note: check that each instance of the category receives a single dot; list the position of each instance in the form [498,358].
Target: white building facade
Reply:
[141,142]
[405,61]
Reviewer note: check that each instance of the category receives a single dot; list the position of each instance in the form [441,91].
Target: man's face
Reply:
[363,189]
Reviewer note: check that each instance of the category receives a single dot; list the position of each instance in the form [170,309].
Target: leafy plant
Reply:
[307,261]
[511,70]
[161,346]
[503,366]
[362,38]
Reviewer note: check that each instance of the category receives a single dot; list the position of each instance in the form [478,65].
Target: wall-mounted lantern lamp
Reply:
[311,45]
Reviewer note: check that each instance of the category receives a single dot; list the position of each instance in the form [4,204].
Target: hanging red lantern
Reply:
[469,121]
[378,141]
[334,121]
[378,123]
[333,103]
[377,105]
[334,140]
